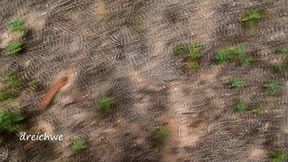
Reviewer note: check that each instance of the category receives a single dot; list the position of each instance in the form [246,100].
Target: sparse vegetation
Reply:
[194,51]
[277,156]
[258,110]
[272,86]
[13,82]
[278,67]
[241,106]
[34,85]
[3,96]
[14,48]
[178,50]
[237,54]
[251,17]
[282,51]
[105,106]
[79,144]
[159,136]
[17,25]
[9,121]
[236,82]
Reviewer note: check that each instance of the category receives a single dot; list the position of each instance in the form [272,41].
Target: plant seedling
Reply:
[16,25]
[258,110]
[3,96]
[272,86]
[241,106]
[277,156]
[14,48]
[13,82]
[194,51]
[178,50]
[278,67]
[9,121]
[223,56]
[105,106]
[251,17]
[79,144]
[34,85]
[236,82]
[161,134]
[193,65]
[282,51]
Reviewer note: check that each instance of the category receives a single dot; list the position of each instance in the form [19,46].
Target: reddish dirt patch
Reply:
[53,91]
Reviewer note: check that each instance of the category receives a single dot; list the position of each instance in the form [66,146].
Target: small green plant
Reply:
[258,110]
[9,121]
[278,156]
[241,106]
[16,25]
[161,134]
[34,85]
[278,67]
[13,82]
[236,82]
[282,51]
[236,53]
[194,51]
[14,48]
[105,106]
[271,86]
[178,50]
[251,17]
[3,96]
[157,148]
[193,65]
[79,144]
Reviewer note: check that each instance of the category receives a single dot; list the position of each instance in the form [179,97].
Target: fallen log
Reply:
[52,92]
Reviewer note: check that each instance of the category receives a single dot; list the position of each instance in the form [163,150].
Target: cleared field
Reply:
[145,80]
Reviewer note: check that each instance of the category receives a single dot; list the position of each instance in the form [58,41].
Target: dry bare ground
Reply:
[124,49]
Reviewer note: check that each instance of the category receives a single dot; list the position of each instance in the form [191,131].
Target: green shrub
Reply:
[161,134]
[272,86]
[194,51]
[278,156]
[79,144]
[282,51]
[178,50]
[236,82]
[14,48]
[241,106]
[105,106]
[258,110]
[17,25]
[13,82]
[236,53]
[9,121]
[251,17]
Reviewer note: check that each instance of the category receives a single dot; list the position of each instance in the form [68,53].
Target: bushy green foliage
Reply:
[241,106]
[13,82]
[251,17]
[105,106]
[178,50]
[14,48]
[17,25]
[161,134]
[277,156]
[271,86]
[236,53]
[9,121]
[79,144]
[236,82]
[194,51]
[258,110]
